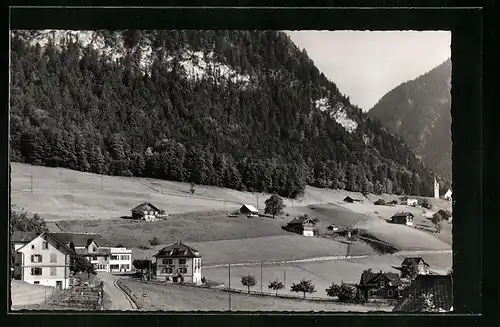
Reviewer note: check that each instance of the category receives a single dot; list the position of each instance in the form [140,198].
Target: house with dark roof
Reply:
[302,225]
[418,262]
[249,210]
[19,239]
[43,260]
[379,285]
[349,199]
[436,289]
[178,262]
[145,211]
[404,218]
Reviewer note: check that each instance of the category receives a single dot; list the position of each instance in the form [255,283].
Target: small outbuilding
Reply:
[405,218]
[348,199]
[249,210]
[412,202]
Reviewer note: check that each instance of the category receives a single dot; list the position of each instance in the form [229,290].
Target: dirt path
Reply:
[119,300]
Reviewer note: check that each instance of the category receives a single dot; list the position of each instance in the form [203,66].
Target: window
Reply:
[113,267]
[167,261]
[94,249]
[32,246]
[374,292]
[36,271]
[53,258]
[182,270]
[114,257]
[182,261]
[382,283]
[36,282]
[124,257]
[167,271]
[36,258]
[53,271]
[389,293]
[94,258]
[45,245]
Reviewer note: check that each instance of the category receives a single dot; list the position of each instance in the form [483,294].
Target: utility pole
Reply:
[102,182]
[229,266]
[31,178]
[261,278]
[284,278]
[257,201]
[149,263]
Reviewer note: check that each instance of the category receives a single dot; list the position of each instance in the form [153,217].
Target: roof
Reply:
[23,237]
[440,286]
[413,261]
[80,239]
[50,236]
[301,221]
[347,198]
[369,277]
[250,208]
[178,249]
[140,206]
[402,214]
[100,251]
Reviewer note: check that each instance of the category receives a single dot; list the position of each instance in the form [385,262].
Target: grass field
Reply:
[76,202]
[322,273]
[198,299]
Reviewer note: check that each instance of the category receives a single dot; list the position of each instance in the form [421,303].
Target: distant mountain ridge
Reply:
[419,111]
[246,110]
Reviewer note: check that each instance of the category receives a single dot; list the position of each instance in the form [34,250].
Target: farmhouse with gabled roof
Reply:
[381,285]
[405,218]
[302,225]
[145,211]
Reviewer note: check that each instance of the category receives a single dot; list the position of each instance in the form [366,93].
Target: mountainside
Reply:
[419,112]
[244,110]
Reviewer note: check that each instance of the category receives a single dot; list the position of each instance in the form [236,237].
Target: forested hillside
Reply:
[244,110]
[419,112]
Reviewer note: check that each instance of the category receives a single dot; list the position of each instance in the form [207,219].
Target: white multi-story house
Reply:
[120,259]
[98,251]
[178,263]
[43,260]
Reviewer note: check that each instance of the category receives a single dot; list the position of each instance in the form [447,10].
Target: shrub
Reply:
[345,293]
[394,202]
[155,241]
[426,204]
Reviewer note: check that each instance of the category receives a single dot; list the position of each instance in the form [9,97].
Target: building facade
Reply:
[178,263]
[404,218]
[43,260]
[145,211]
[381,285]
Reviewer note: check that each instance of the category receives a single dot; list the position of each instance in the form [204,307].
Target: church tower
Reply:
[436,188]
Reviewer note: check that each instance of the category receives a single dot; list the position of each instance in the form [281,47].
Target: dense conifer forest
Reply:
[74,107]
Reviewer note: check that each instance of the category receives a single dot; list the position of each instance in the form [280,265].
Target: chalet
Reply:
[249,210]
[43,260]
[333,228]
[448,194]
[145,211]
[178,263]
[302,225]
[412,202]
[98,251]
[422,266]
[440,286]
[405,218]
[381,285]
[348,199]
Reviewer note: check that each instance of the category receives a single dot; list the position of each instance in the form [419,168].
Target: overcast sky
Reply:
[366,65]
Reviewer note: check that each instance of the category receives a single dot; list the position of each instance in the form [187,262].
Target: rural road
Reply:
[330,258]
[119,300]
